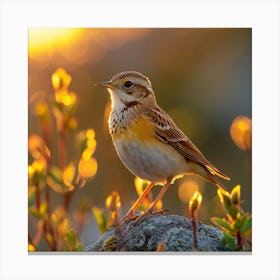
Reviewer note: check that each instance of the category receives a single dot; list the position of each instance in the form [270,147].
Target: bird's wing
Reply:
[167,132]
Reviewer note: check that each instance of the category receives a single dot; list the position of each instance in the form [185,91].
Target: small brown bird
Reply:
[147,140]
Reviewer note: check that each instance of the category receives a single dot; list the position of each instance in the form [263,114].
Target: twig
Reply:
[30,240]
[38,197]
[67,199]
[62,159]
[62,145]
[194,229]
[239,241]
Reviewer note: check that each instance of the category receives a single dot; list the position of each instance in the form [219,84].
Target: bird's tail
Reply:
[210,178]
[214,171]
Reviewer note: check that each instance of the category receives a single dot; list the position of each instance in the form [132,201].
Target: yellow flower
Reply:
[90,133]
[60,79]
[87,167]
[37,147]
[31,248]
[113,202]
[65,97]
[69,174]
[195,201]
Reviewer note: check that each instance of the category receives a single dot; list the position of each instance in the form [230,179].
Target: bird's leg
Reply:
[138,201]
[152,206]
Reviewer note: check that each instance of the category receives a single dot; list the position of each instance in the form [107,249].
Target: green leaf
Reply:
[56,174]
[221,223]
[71,238]
[43,208]
[33,211]
[82,140]
[55,181]
[229,240]
[224,198]
[235,195]
[247,225]
[83,145]
[31,198]
[101,218]
[72,242]
[239,222]
[233,211]
[79,247]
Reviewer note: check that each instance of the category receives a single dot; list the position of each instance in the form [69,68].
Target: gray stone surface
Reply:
[173,232]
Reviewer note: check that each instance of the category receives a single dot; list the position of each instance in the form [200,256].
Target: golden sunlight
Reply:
[43,39]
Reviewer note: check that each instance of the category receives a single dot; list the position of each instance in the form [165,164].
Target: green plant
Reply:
[237,225]
[194,205]
[62,174]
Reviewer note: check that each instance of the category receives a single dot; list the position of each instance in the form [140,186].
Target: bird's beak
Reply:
[103,84]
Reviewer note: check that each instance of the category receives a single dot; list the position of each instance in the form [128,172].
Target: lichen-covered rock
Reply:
[162,233]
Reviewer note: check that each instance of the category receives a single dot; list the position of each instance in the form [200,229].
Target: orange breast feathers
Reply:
[142,130]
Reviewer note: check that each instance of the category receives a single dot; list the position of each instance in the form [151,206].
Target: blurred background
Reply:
[201,77]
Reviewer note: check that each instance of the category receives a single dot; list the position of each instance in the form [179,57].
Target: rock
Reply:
[160,233]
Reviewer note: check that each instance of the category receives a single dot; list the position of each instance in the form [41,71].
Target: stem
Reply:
[48,223]
[38,197]
[62,160]
[30,240]
[48,228]
[62,145]
[67,199]
[80,228]
[39,232]
[47,198]
[194,229]
[239,241]
[81,223]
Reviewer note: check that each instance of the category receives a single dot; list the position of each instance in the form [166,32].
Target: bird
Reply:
[147,140]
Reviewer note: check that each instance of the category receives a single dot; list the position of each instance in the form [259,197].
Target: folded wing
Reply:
[167,132]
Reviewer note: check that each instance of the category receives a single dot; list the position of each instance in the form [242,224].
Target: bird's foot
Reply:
[160,212]
[129,216]
[148,213]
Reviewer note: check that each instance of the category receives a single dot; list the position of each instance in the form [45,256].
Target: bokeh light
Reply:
[87,167]
[186,188]
[241,132]
[200,77]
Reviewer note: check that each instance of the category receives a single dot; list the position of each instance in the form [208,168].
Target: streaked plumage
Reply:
[146,139]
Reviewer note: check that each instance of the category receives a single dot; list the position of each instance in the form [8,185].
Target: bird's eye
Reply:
[128,84]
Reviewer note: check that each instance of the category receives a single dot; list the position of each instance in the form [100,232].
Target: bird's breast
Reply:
[137,130]
[144,155]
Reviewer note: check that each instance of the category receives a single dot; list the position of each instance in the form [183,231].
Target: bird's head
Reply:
[129,88]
